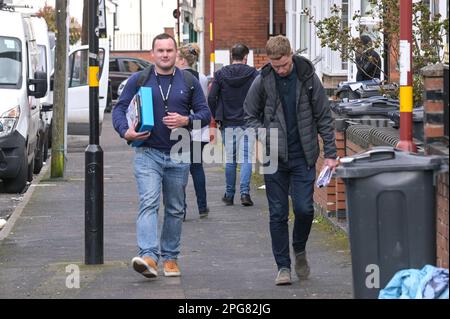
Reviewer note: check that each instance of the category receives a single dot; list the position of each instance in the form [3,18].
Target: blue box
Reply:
[140,111]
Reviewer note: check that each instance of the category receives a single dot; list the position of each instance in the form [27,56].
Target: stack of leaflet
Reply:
[324,177]
[140,113]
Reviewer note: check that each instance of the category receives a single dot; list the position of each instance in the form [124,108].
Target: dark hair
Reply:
[239,51]
[163,36]
[365,39]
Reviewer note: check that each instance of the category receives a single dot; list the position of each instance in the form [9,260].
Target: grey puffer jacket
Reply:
[263,101]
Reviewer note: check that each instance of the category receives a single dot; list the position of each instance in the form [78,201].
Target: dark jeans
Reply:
[198,176]
[301,188]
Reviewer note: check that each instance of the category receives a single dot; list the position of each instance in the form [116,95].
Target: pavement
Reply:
[225,256]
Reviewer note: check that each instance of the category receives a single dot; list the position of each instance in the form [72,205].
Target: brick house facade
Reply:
[243,22]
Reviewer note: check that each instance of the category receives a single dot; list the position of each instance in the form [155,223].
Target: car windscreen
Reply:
[10,62]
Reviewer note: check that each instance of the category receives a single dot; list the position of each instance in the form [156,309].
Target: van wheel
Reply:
[17,184]
[39,155]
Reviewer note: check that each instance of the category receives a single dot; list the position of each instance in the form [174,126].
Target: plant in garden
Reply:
[49,14]
[428,33]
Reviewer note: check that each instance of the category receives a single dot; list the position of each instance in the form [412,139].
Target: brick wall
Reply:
[242,21]
[331,200]
[394,72]
[259,60]
[442,221]
[437,144]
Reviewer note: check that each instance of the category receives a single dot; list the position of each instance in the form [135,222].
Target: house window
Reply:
[305,34]
[294,30]
[344,63]
[366,8]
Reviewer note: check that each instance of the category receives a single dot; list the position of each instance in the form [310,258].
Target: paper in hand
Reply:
[324,177]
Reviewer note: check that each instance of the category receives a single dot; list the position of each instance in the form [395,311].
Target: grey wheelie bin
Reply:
[391,214]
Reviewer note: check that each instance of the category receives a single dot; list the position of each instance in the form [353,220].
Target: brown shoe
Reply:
[145,266]
[283,277]
[171,269]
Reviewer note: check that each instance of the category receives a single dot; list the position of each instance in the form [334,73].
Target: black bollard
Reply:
[94,153]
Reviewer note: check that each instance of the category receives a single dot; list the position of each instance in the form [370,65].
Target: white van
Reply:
[78,88]
[21,87]
[45,65]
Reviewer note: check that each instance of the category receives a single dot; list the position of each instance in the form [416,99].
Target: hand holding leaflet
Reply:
[325,176]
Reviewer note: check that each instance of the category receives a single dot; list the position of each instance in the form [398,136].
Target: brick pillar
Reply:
[434,103]
[331,198]
[340,186]
[436,142]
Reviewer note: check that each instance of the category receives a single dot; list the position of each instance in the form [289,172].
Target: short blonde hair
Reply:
[278,47]
[190,52]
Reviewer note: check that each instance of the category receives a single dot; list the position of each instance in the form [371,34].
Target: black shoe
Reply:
[227,200]
[246,200]
[301,265]
[203,212]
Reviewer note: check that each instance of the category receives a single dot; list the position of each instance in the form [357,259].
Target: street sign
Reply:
[102,19]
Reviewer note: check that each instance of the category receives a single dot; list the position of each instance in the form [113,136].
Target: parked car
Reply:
[121,67]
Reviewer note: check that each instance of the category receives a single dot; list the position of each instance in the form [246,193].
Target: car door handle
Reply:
[101,97]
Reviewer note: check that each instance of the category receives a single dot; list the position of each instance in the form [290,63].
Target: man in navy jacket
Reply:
[226,101]
[153,164]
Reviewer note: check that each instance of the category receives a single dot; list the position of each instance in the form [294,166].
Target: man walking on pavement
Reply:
[289,97]
[154,166]
[226,99]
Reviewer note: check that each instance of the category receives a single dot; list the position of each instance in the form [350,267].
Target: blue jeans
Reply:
[239,142]
[152,170]
[295,179]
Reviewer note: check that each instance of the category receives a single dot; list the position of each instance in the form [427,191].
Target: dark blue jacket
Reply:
[178,102]
[228,91]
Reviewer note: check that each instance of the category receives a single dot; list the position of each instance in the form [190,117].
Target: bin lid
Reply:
[385,159]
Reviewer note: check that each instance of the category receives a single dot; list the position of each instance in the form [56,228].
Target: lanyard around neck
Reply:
[165,98]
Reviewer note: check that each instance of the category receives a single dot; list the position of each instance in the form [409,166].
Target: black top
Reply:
[287,90]
[228,91]
[369,65]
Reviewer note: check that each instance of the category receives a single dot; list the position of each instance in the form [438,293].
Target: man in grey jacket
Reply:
[288,97]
